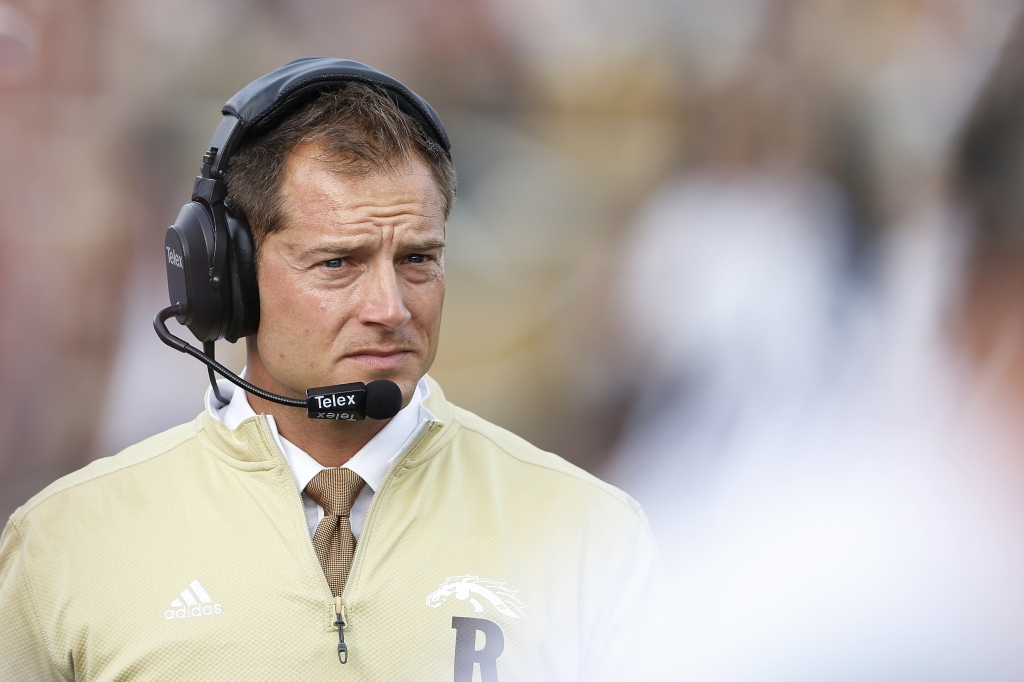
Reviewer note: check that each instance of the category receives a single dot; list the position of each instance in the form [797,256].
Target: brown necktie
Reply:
[335,490]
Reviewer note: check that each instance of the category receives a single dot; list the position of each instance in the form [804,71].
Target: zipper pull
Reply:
[340,623]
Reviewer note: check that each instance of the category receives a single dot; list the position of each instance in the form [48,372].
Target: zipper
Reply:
[339,602]
[339,622]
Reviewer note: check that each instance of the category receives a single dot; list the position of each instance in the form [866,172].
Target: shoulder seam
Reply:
[25,510]
[456,417]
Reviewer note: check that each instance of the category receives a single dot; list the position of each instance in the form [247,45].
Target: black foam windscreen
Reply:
[383,399]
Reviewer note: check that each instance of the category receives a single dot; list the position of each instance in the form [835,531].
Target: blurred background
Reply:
[760,263]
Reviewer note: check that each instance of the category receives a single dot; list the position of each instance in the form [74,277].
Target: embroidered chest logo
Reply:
[477,591]
[193,602]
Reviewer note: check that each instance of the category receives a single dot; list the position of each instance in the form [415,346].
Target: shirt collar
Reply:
[371,462]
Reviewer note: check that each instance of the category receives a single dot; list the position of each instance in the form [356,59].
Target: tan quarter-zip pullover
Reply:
[188,557]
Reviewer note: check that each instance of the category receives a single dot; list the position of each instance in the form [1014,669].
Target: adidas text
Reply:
[193,602]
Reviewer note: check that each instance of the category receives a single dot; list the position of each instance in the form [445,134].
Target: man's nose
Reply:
[383,304]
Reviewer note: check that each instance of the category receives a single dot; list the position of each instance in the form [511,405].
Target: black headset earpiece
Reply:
[196,259]
[211,269]
[245,297]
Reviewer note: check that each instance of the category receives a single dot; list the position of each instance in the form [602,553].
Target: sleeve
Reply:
[24,654]
[636,637]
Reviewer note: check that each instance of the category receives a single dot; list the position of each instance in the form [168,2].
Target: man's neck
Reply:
[330,442]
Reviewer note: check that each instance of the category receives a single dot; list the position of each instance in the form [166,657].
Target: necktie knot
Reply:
[335,490]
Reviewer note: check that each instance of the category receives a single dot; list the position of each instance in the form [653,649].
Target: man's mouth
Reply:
[380,358]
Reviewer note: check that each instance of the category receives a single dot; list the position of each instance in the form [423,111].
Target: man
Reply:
[256,542]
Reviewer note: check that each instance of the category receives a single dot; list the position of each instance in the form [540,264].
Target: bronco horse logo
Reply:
[468,587]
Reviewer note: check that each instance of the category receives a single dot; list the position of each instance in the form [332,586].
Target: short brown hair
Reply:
[361,130]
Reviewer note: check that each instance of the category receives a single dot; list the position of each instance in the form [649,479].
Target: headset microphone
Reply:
[211,270]
[381,399]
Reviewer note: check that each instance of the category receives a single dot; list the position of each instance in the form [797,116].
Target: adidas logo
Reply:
[193,602]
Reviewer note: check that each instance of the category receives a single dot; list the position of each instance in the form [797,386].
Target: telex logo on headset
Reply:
[174,258]
[344,401]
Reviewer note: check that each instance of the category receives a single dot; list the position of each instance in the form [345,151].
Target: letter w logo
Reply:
[466,653]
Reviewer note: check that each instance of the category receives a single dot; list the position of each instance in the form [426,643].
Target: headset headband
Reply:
[258,107]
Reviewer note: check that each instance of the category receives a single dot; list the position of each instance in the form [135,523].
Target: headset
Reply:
[211,273]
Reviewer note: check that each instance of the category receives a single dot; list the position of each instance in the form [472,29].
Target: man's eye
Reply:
[417,258]
[333,263]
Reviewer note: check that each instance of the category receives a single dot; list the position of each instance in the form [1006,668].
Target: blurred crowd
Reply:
[760,263]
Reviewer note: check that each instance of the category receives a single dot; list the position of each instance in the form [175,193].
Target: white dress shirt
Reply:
[371,462]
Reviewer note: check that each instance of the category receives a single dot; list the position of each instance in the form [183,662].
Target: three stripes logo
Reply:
[193,602]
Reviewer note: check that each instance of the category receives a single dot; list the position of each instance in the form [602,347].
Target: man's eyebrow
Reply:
[350,247]
[425,245]
[334,249]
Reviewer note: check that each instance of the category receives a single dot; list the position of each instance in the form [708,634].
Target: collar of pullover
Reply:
[251,445]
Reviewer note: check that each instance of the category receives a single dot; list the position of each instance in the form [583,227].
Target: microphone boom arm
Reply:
[160,325]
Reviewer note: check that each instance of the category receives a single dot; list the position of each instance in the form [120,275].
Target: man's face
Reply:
[351,289]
